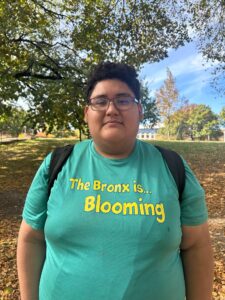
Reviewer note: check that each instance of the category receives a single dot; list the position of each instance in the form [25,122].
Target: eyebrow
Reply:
[117,95]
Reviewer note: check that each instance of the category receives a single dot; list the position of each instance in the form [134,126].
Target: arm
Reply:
[30,259]
[197,258]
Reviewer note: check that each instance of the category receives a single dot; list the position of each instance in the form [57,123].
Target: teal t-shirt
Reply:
[113,226]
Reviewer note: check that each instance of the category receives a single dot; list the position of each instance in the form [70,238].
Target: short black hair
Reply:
[112,70]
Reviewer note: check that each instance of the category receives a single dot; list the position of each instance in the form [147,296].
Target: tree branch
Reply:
[35,44]
[28,73]
[51,12]
[29,86]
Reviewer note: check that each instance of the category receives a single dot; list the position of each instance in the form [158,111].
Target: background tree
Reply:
[203,123]
[206,18]
[222,116]
[15,123]
[194,121]
[178,121]
[168,101]
[47,49]
[3,122]
[150,111]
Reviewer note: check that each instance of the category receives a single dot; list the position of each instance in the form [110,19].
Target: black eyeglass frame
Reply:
[133,100]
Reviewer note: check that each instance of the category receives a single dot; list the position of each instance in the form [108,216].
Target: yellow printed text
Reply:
[96,204]
[116,188]
[76,183]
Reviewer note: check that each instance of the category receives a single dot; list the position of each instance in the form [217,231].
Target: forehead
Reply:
[111,88]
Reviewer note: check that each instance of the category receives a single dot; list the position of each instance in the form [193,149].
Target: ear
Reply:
[140,110]
[86,113]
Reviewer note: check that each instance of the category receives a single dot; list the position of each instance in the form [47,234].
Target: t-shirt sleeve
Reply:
[35,208]
[193,204]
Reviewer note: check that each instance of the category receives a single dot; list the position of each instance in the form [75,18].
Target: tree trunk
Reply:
[80,134]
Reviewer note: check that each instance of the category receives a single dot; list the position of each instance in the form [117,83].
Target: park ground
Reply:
[19,161]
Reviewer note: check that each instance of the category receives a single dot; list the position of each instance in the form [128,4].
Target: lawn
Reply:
[19,162]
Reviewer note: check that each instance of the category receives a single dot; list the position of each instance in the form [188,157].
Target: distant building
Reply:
[147,133]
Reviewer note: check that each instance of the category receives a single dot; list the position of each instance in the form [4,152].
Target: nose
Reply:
[112,109]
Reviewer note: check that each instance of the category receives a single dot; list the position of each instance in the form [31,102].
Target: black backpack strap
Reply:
[58,158]
[176,167]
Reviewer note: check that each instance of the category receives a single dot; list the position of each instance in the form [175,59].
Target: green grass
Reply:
[19,161]
[31,152]
[196,151]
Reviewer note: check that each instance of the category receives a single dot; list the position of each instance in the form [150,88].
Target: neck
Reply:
[115,151]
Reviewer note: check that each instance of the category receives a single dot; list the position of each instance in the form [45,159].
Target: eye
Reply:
[123,101]
[99,101]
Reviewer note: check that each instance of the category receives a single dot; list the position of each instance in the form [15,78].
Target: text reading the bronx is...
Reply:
[98,205]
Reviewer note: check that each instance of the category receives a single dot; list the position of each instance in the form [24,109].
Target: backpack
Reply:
[172,159]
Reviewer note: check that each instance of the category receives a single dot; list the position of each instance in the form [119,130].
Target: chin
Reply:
[113,137]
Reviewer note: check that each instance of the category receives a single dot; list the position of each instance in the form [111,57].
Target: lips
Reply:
[112,122]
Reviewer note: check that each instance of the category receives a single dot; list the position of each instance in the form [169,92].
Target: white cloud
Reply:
[192,65]
[156,78]
[196,84]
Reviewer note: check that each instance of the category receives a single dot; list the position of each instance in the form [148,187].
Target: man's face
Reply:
[112,125]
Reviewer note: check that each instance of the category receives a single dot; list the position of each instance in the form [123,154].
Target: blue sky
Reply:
[192,76]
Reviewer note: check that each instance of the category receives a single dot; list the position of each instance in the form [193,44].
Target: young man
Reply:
[113,227]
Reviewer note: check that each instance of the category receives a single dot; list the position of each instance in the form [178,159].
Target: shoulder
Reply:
[192,181]
[79,146]
[66,150]
[193,204]
[147,147]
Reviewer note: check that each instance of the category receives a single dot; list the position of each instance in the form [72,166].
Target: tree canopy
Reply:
[194,121]
[206,20]
[15,123]
[222,116]
[181,119]
[202,122]
[168,101]
[48,47]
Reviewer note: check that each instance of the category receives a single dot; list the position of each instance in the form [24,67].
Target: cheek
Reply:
[132,124]
[133,120]
[94,121]
[93,129]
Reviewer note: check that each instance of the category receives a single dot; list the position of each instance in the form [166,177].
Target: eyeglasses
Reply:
[120,102]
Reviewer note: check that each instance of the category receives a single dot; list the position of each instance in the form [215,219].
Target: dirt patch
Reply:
[217,232]
[11,203]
